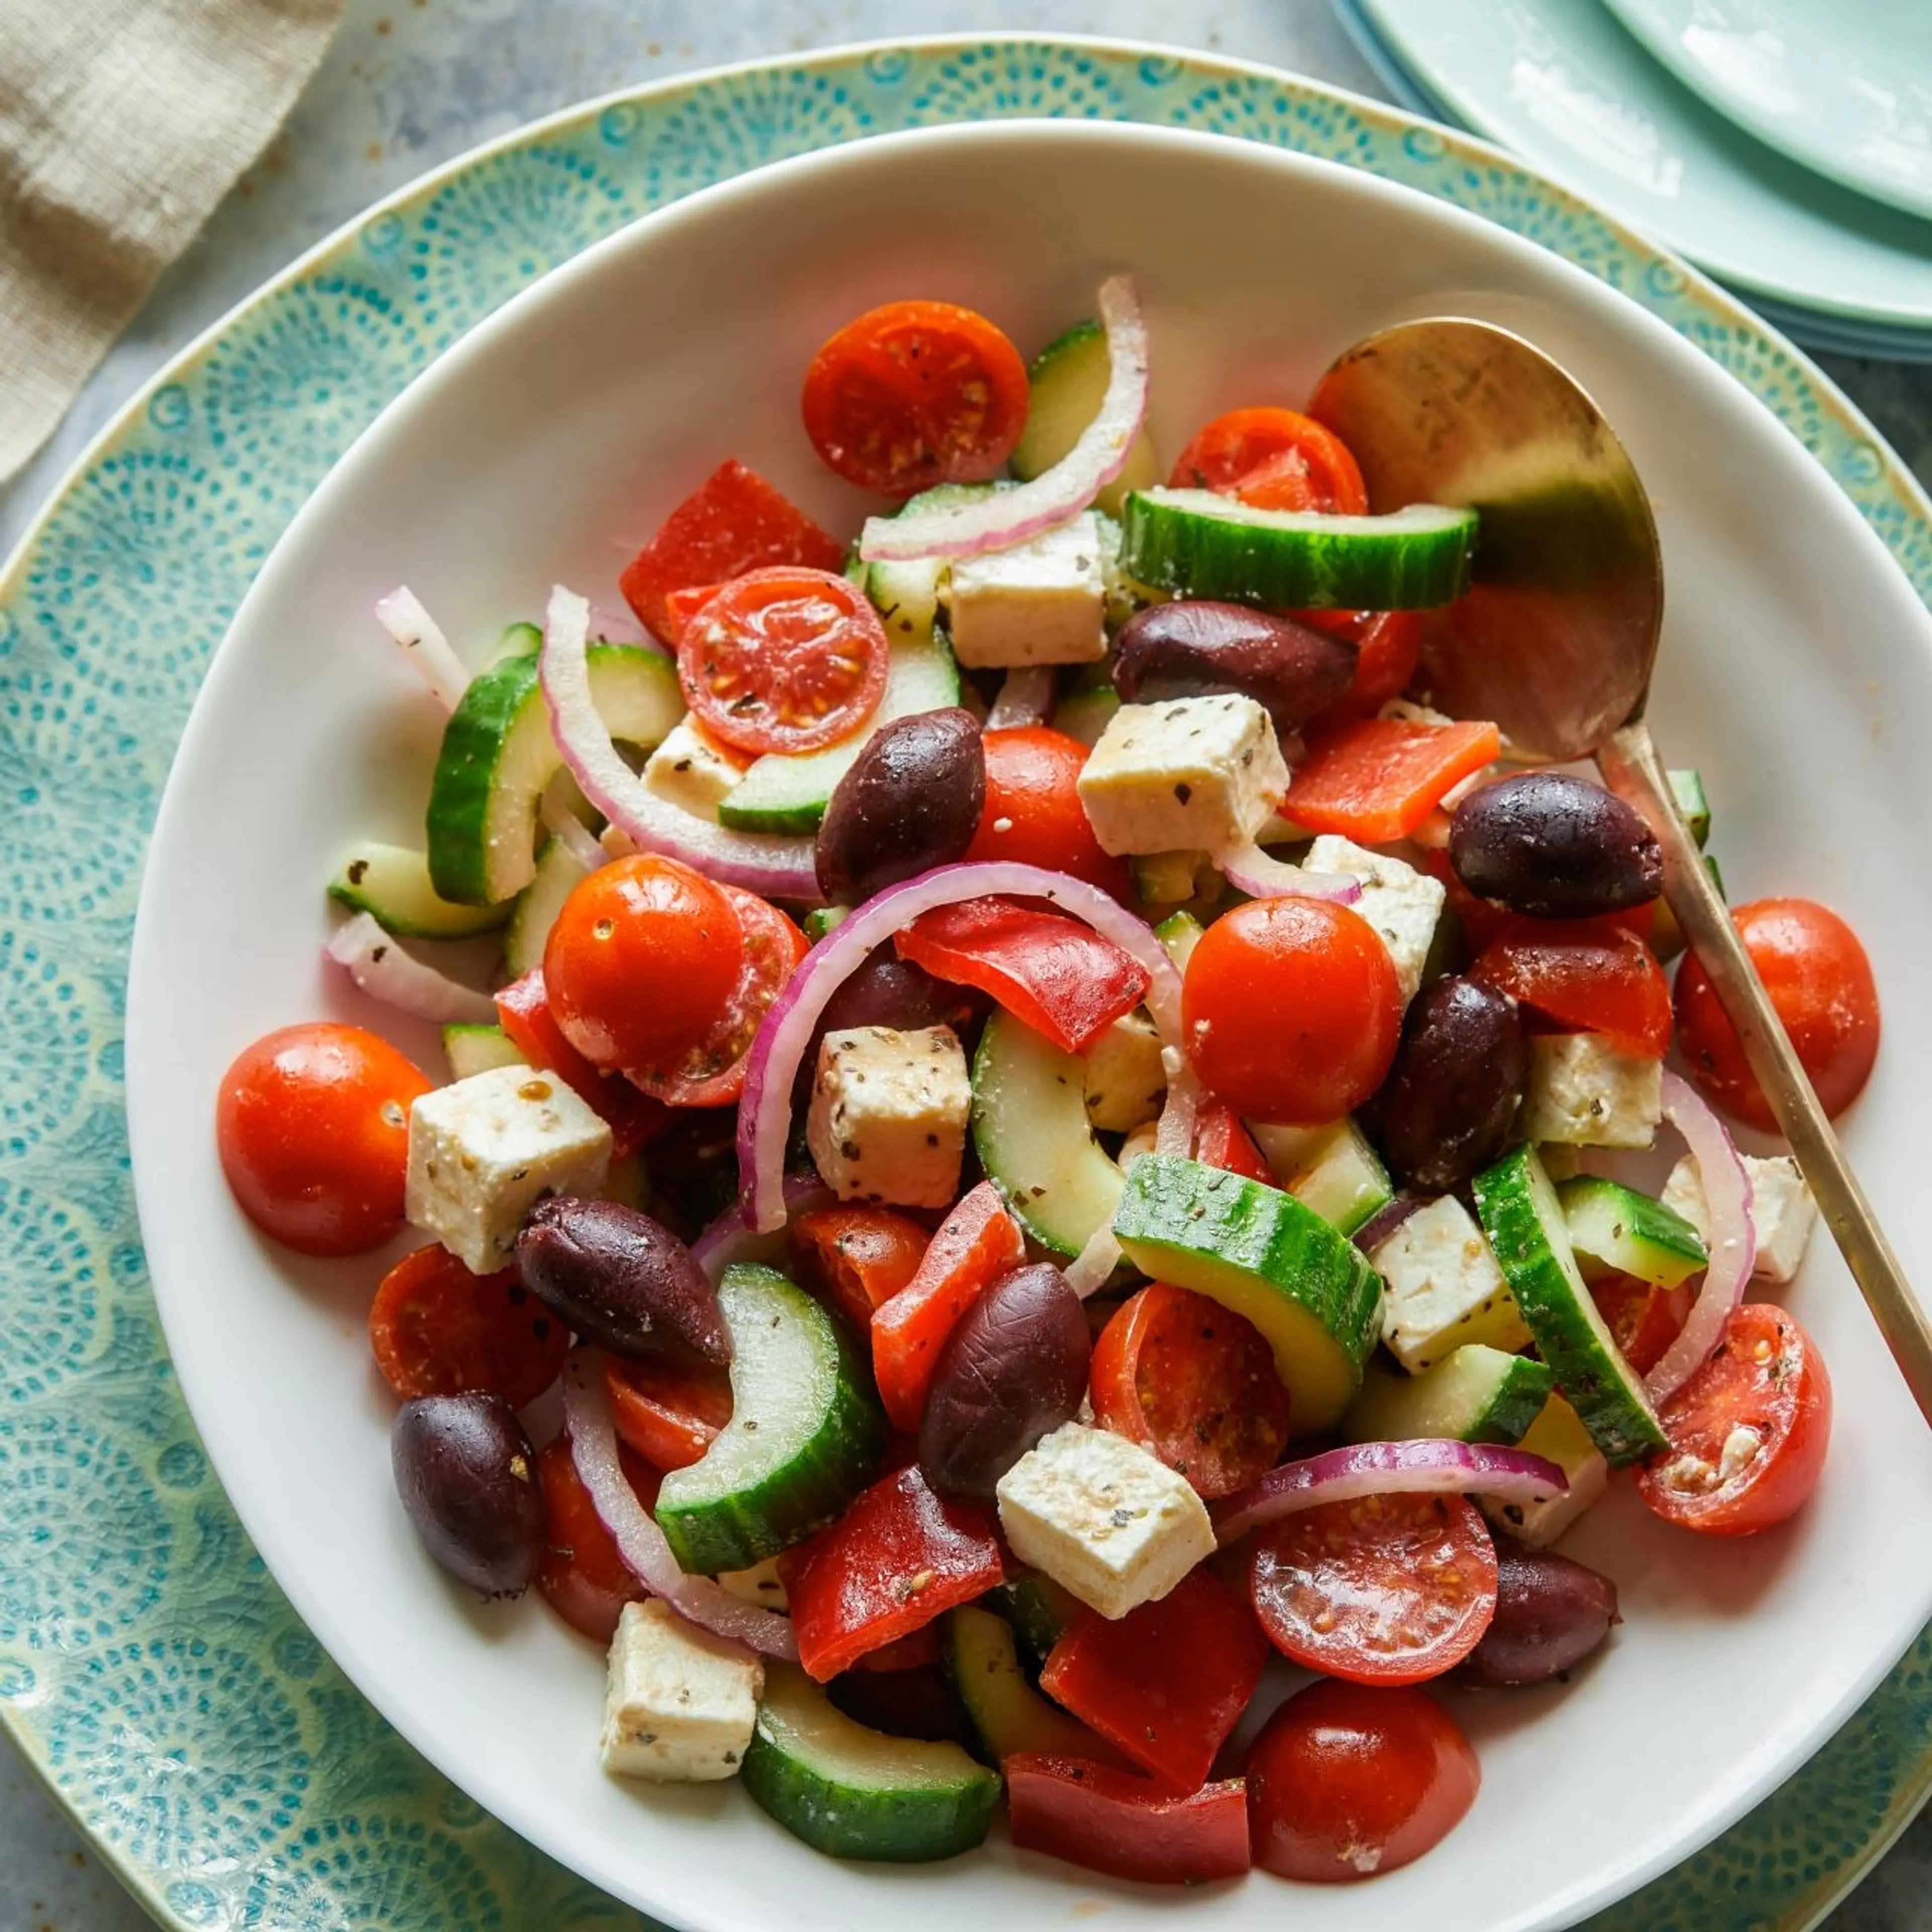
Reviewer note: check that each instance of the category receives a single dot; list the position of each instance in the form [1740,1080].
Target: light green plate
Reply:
[148,1667]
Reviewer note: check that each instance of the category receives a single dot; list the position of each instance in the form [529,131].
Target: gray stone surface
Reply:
[411,82]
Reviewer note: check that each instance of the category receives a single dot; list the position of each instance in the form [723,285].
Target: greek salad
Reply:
[1068,1141]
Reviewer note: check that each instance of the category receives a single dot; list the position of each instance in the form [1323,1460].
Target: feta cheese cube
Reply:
[1443,1289]
[1783,1211]
[1041,602]
[1582,1090]
[681,1702]
[1558,1436]
[1126,1077]
[889,1113]
[484,1151]
[1204,772]
[1402,905]
[1104,1518]
[692,770]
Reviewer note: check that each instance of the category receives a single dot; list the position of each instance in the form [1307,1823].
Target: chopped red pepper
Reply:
[976,1243]
[732,522]
[897,1557]
[635,1119]
[1221,1140]
[1377,778]
[1111,1821]
[1593,974]
[1055,974]
[1167,1682]
[667,1415]
[856,1258]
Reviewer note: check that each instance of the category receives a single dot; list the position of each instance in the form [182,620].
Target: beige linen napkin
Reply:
[122,124]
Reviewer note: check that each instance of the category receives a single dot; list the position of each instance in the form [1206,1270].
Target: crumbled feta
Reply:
[1104,1518]
[1584,1091]
[1402,905]
[1783,1211]
[889,1113]
[1200,773]
[1444,1288]
[1043,601]
[681,1703]
[692,770]
[484,1151]
[1125,1077]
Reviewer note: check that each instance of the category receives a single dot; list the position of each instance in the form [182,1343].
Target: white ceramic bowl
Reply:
[1797,673]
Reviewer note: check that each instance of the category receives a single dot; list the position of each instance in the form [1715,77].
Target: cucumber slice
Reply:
[822,919]
[498,755]
[1180,933]
[1065,386]
[476,1049]
[392,883]
[1198,544]
[906,594]
[1332,1169]
[1478,1394]
[1168,878]
[1615,1230]
[1040,1611]
[1007,1712]
[1087,709]
[517,641]
[1557,1436]
[559,870]
[1031,1129]
[1524,1221]
[1267,1256]
[802,1441]
[1687,788]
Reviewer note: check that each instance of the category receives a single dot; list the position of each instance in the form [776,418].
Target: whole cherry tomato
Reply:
[1033,814]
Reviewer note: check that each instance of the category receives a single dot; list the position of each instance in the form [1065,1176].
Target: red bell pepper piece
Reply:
[1166,1683]
[897,1558]
[635,1119]
[1111,1821]
[1594,975]
[976,1243]
[1377,778]
[1055,974]
[732,522]
[856,1258]
[1221,1140]
[667,1415]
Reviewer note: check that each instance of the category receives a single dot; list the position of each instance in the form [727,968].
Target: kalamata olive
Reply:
[467,1476]
[1445,1109]
[622,1280]
[911,801]
[1555,847]
[1552,1611]
[1013,1369]
[1187,649]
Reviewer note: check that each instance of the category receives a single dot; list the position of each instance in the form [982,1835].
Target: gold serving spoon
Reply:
[1555,641]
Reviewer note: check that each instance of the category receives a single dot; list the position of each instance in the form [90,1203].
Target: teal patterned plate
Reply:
[149,1670]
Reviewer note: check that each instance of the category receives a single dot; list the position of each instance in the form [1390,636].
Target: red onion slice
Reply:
[593,1448]
[1180,1112]
[764,1113]
[1384,1221]
[1009,517]
[402,615]
[1262,876]
[773,867]
[1731,1240]
[578,839]
[1025,697]
[386,972]
[1093,1268]
[731,1238]
[1433,1466]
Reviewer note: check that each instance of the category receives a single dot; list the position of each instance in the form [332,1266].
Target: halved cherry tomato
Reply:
[581,1575]
[667,1416]
[1136,1827]
[1384,1589]
[1291,1010]
[1643,1319]
[437,1329]
[1344,1782]
[784,660]
[1375,779]
[313,1126]
[856,1258]
[734,521]
[1748,1432]
[1221,1140]
[1821,983]
[1250,444]
[1593,974]
[645,957]
[1033,813]
[1193,1382]
[1388,645]
[712,1073]
[914,394]
[634,1119]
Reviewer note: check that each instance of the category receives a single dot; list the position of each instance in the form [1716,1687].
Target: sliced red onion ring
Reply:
[1262,876]
[593,1448]
[1094,1266]
[578,839]
[1384,1221]
[386,972]
[774,868]
[618,627]
[1009,517]
[1025,697]
[731,1238]
[764,1113]
[1432,1466]
[1731,1240]
[402,615]
[1180,1113]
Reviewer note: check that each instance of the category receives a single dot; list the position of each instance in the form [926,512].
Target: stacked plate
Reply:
[1783,145]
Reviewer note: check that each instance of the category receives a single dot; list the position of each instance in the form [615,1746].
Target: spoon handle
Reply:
[1631,765]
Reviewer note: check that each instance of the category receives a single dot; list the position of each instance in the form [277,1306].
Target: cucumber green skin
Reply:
[391,884]
[1399,1408]
[1521,1217]
[1268,1257]
[710,1532]
[1177,541]
[1687,788]
[1008,1713]
[1615,1230]
[1040,1612]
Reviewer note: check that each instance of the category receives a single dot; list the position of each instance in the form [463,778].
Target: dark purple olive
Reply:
[467,1476]
[1555,847]
[1013,1369]
[1445,1110]
[919,1703]
[1190,649]
[911,801]
[888,991]
[1552,1611]
[621,1280]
